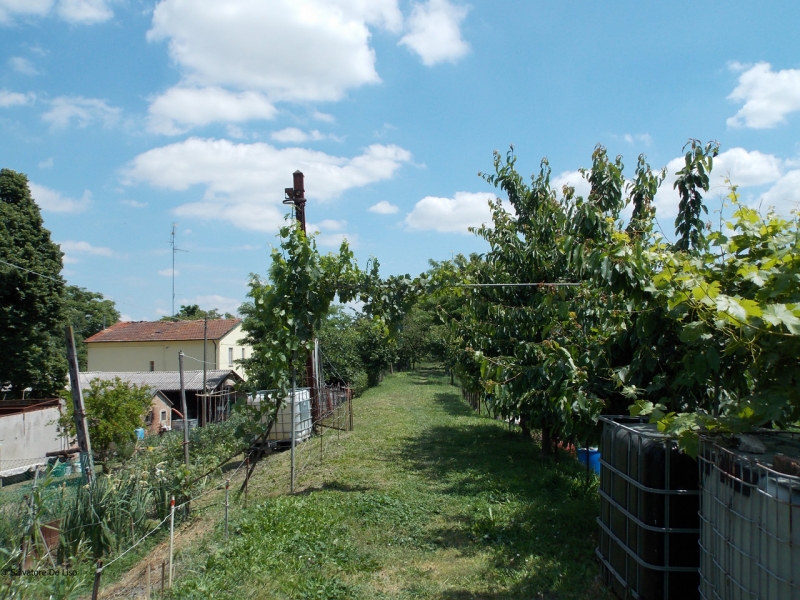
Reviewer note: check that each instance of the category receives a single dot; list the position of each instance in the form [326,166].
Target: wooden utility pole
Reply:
[81,427]
[185,421]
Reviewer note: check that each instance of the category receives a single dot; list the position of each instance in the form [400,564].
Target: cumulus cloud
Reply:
[451,215]
[221,303]
[168,272]
[743,168]
[182,107]
[22,65]
[305,50]
[244,182]
[383,208]
[84,11]
[294,135]
[54,201]
[74,247]
[29,8]
[72,11]
[133,203]
[9,99]
[329,233]
[784,196]
[434,32]
[572,179]
[71,248]
[83,111]
[768,96]
[321,116]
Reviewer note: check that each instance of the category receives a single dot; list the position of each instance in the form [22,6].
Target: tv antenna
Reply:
[174,250]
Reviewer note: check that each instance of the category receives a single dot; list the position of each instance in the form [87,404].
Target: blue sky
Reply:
[130,115]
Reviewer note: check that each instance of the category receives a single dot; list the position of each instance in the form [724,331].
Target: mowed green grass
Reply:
[424,499]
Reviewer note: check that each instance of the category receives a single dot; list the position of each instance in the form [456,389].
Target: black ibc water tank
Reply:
[649,524]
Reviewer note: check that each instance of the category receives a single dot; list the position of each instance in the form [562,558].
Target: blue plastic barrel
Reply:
[139,433]
[594,458]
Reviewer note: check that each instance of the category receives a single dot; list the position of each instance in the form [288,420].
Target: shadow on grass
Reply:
[540,531]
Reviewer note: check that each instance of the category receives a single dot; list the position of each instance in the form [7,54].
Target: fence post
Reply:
[97,572]
[171,535]
[246,478]
[227,484]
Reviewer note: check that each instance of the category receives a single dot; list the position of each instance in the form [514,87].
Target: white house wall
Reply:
[26,437]
[136,356]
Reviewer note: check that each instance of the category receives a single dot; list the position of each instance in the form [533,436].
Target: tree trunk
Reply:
[547,443]
[526,430]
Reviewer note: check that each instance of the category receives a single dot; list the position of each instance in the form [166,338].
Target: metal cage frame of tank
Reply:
[280,434]
[750,537]
[608,473]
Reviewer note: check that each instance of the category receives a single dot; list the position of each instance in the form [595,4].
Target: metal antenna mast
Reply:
[174,250]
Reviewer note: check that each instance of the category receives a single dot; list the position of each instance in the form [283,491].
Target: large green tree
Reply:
[31,294]
[87,312]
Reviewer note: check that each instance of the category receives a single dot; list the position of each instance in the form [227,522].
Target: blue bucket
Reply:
[594,458]
[139,433]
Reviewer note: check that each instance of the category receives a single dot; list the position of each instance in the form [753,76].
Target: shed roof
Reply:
[162,331]
[165,380]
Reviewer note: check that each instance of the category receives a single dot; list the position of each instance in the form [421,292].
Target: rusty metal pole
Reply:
[297,195]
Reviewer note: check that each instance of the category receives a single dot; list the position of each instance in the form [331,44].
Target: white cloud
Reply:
[234,131]
[22,65]
[784,196]
[743,168]
[32,8]
[125,317]
[8,99]
[133,203]
[168,272]
[332,225]
[223,304]
[334,240]
[181,108]
[244,183]
[294,135]
[82,110]
[321,116]
[74,247]
[768,96]
[84,11]
[383,208]
[46,164]
[54,201]
[290,49]
[71,248]
[72,11]
[448,215]
[573,179]
[642,138]
[434,32]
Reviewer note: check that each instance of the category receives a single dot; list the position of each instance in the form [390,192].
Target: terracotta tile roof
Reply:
[162,331]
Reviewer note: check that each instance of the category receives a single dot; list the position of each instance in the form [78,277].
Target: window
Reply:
[230,357]
[152,365]
[242,353]
[163,416]
[149,418]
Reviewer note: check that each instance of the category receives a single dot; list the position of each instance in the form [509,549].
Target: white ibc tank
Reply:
[282,430]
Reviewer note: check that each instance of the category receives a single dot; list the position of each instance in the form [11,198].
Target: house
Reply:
[28,431]
[166,389]
[136,346]
[160,416]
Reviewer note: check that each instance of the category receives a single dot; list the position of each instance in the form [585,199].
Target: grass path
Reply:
[424,499]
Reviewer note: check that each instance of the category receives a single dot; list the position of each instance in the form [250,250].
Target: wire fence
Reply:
[321,417]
